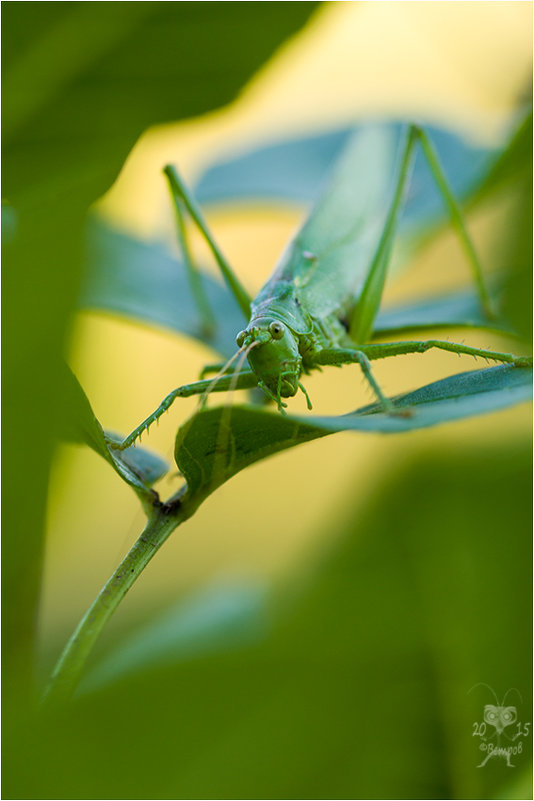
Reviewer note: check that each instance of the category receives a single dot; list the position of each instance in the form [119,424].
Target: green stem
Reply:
[66,675]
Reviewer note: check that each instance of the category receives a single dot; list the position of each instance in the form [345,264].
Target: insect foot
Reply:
[118,446]
[523,361]
[113,443]
[396,412]
[121,445]
[389,408]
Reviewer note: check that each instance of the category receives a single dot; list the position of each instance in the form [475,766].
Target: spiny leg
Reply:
[207,318]
[245,380]
[382,351]
[180,191]
[340,356]
[363,315]
[457,219]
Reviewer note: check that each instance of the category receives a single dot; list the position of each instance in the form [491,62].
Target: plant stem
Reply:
[161,523]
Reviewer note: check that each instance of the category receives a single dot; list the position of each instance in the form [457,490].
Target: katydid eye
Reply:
[240,338]
[276,330]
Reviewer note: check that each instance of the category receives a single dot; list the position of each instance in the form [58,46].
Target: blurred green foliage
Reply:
[516,252]
[81,82]
[361,687]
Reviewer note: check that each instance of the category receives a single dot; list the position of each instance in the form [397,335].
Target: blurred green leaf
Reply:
[361,688]
[78,421]
[218,618]
[454,310]
[519,786]
[138,467]
[295,169]
[83,80]
[216,444]
[516,248]
[143,282]
[509,165]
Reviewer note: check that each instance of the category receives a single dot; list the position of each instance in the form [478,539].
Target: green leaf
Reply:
[509,166]
[138,467]
[216,444]
[294,170]
[219,617]
[78,422]
[141,464]
[519,786]
[82,81]
[142,281]
[516,252]
[360,687]
[454,310]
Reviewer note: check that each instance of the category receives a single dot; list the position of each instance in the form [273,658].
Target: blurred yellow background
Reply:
[459,64]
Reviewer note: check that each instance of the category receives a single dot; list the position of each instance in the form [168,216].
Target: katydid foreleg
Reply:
[224,383]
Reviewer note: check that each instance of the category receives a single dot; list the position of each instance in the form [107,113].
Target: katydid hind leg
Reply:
[364,354]
[364,311]
[457,219]
[180,191]
[387,349]
[363,314]
[198,291]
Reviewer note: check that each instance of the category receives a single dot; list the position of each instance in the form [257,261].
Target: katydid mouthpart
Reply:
[319,305]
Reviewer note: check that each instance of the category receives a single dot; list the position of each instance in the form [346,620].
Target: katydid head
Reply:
[273,354]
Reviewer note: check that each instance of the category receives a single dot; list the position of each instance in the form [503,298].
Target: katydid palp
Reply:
[319,306]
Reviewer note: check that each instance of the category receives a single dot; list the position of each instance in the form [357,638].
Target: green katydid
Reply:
[319,306]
